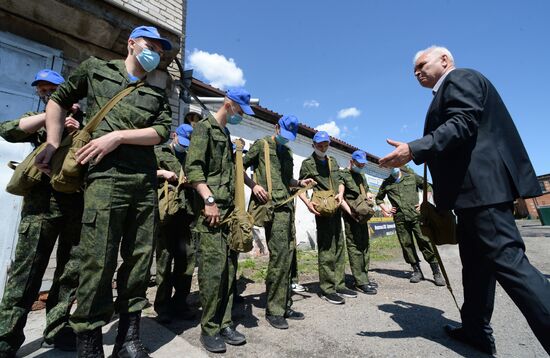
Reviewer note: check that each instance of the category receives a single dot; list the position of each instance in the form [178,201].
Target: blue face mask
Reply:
[234,118]
[358,170]
[148,59]
[280,139]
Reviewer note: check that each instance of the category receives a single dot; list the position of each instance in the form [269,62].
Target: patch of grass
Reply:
[255,268]
[384,248]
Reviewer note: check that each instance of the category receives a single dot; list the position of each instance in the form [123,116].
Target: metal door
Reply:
[20,60]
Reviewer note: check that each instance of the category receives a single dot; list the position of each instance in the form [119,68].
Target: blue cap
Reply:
[184,132]
[289,127]
[242,98]
[150,32]
[359,156]
[321,136]
[48,76]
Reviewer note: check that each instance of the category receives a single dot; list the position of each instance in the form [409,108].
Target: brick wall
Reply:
[167,14]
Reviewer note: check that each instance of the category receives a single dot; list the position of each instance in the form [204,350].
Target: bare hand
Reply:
[42,160]
[417,207]
[167,175]
[305,182]
[399,157]
[311,206]
[75,108]
[98,148]
[339,198]
[212,214]
[370,196]
[71,124]
[260,193]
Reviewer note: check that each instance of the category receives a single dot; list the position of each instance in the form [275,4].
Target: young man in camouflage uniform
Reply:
[120,201]
[402,190]
[46,215]
[210,168]
[330,240]
[357,234]
[280,231]
[174,244]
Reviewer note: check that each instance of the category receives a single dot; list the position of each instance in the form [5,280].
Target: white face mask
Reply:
[320,153]
[179,148]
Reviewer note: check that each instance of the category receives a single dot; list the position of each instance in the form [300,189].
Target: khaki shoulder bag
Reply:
[362,207]
[25,175]
[263,212]
[325,200]
[240,221]
[67,175]
[438,225]
[169,200]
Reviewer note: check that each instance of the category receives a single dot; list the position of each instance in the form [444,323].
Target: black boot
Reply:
[438,277]
[417,275]
[89,344]
[128,344]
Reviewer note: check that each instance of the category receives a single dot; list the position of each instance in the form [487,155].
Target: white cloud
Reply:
[348,112]
[311,104]
[216,69]
[330,127]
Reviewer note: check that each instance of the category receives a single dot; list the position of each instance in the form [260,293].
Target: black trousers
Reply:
[491,249]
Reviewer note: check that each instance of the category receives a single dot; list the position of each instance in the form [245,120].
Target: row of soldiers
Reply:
[118,209]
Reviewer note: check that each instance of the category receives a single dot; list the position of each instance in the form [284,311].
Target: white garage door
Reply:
[20,60]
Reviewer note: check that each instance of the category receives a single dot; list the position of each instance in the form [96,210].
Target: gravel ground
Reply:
[402,320]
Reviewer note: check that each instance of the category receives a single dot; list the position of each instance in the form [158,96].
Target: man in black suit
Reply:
[479,166]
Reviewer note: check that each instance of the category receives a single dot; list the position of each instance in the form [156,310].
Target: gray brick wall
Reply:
[165,13]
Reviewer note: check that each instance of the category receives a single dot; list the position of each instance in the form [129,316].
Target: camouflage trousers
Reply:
[358,244]
[46,216]
[217,270]
[330,245]
[405,231]
[119,210]
[174,245]
[280,237]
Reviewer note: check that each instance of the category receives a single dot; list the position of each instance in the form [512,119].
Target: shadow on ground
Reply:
[418,321]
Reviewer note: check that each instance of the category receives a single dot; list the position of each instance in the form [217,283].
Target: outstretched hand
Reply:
[399,157]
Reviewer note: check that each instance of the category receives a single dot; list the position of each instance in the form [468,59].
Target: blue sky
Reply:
[315,59]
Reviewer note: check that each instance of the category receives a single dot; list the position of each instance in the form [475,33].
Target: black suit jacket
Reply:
[472,147]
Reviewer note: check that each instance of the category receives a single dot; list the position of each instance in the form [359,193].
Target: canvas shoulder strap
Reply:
[94,122]
[298,192]
[267,160]
[329,159]
[239,175]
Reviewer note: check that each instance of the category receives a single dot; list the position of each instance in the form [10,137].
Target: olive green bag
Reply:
[26,175]
[438,225]
[263,212]
[169,199]
[325,200]
[362,207]
[240,221]
[67,175]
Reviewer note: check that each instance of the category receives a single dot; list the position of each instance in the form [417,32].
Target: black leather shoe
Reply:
[232,336]
[295,315]
[483,344]
[373,284]
[367,289]
[214,344]
[278,322]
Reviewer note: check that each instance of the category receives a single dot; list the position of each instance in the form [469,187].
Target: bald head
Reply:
[431,64]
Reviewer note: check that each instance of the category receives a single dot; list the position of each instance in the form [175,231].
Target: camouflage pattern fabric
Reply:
[210,160]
